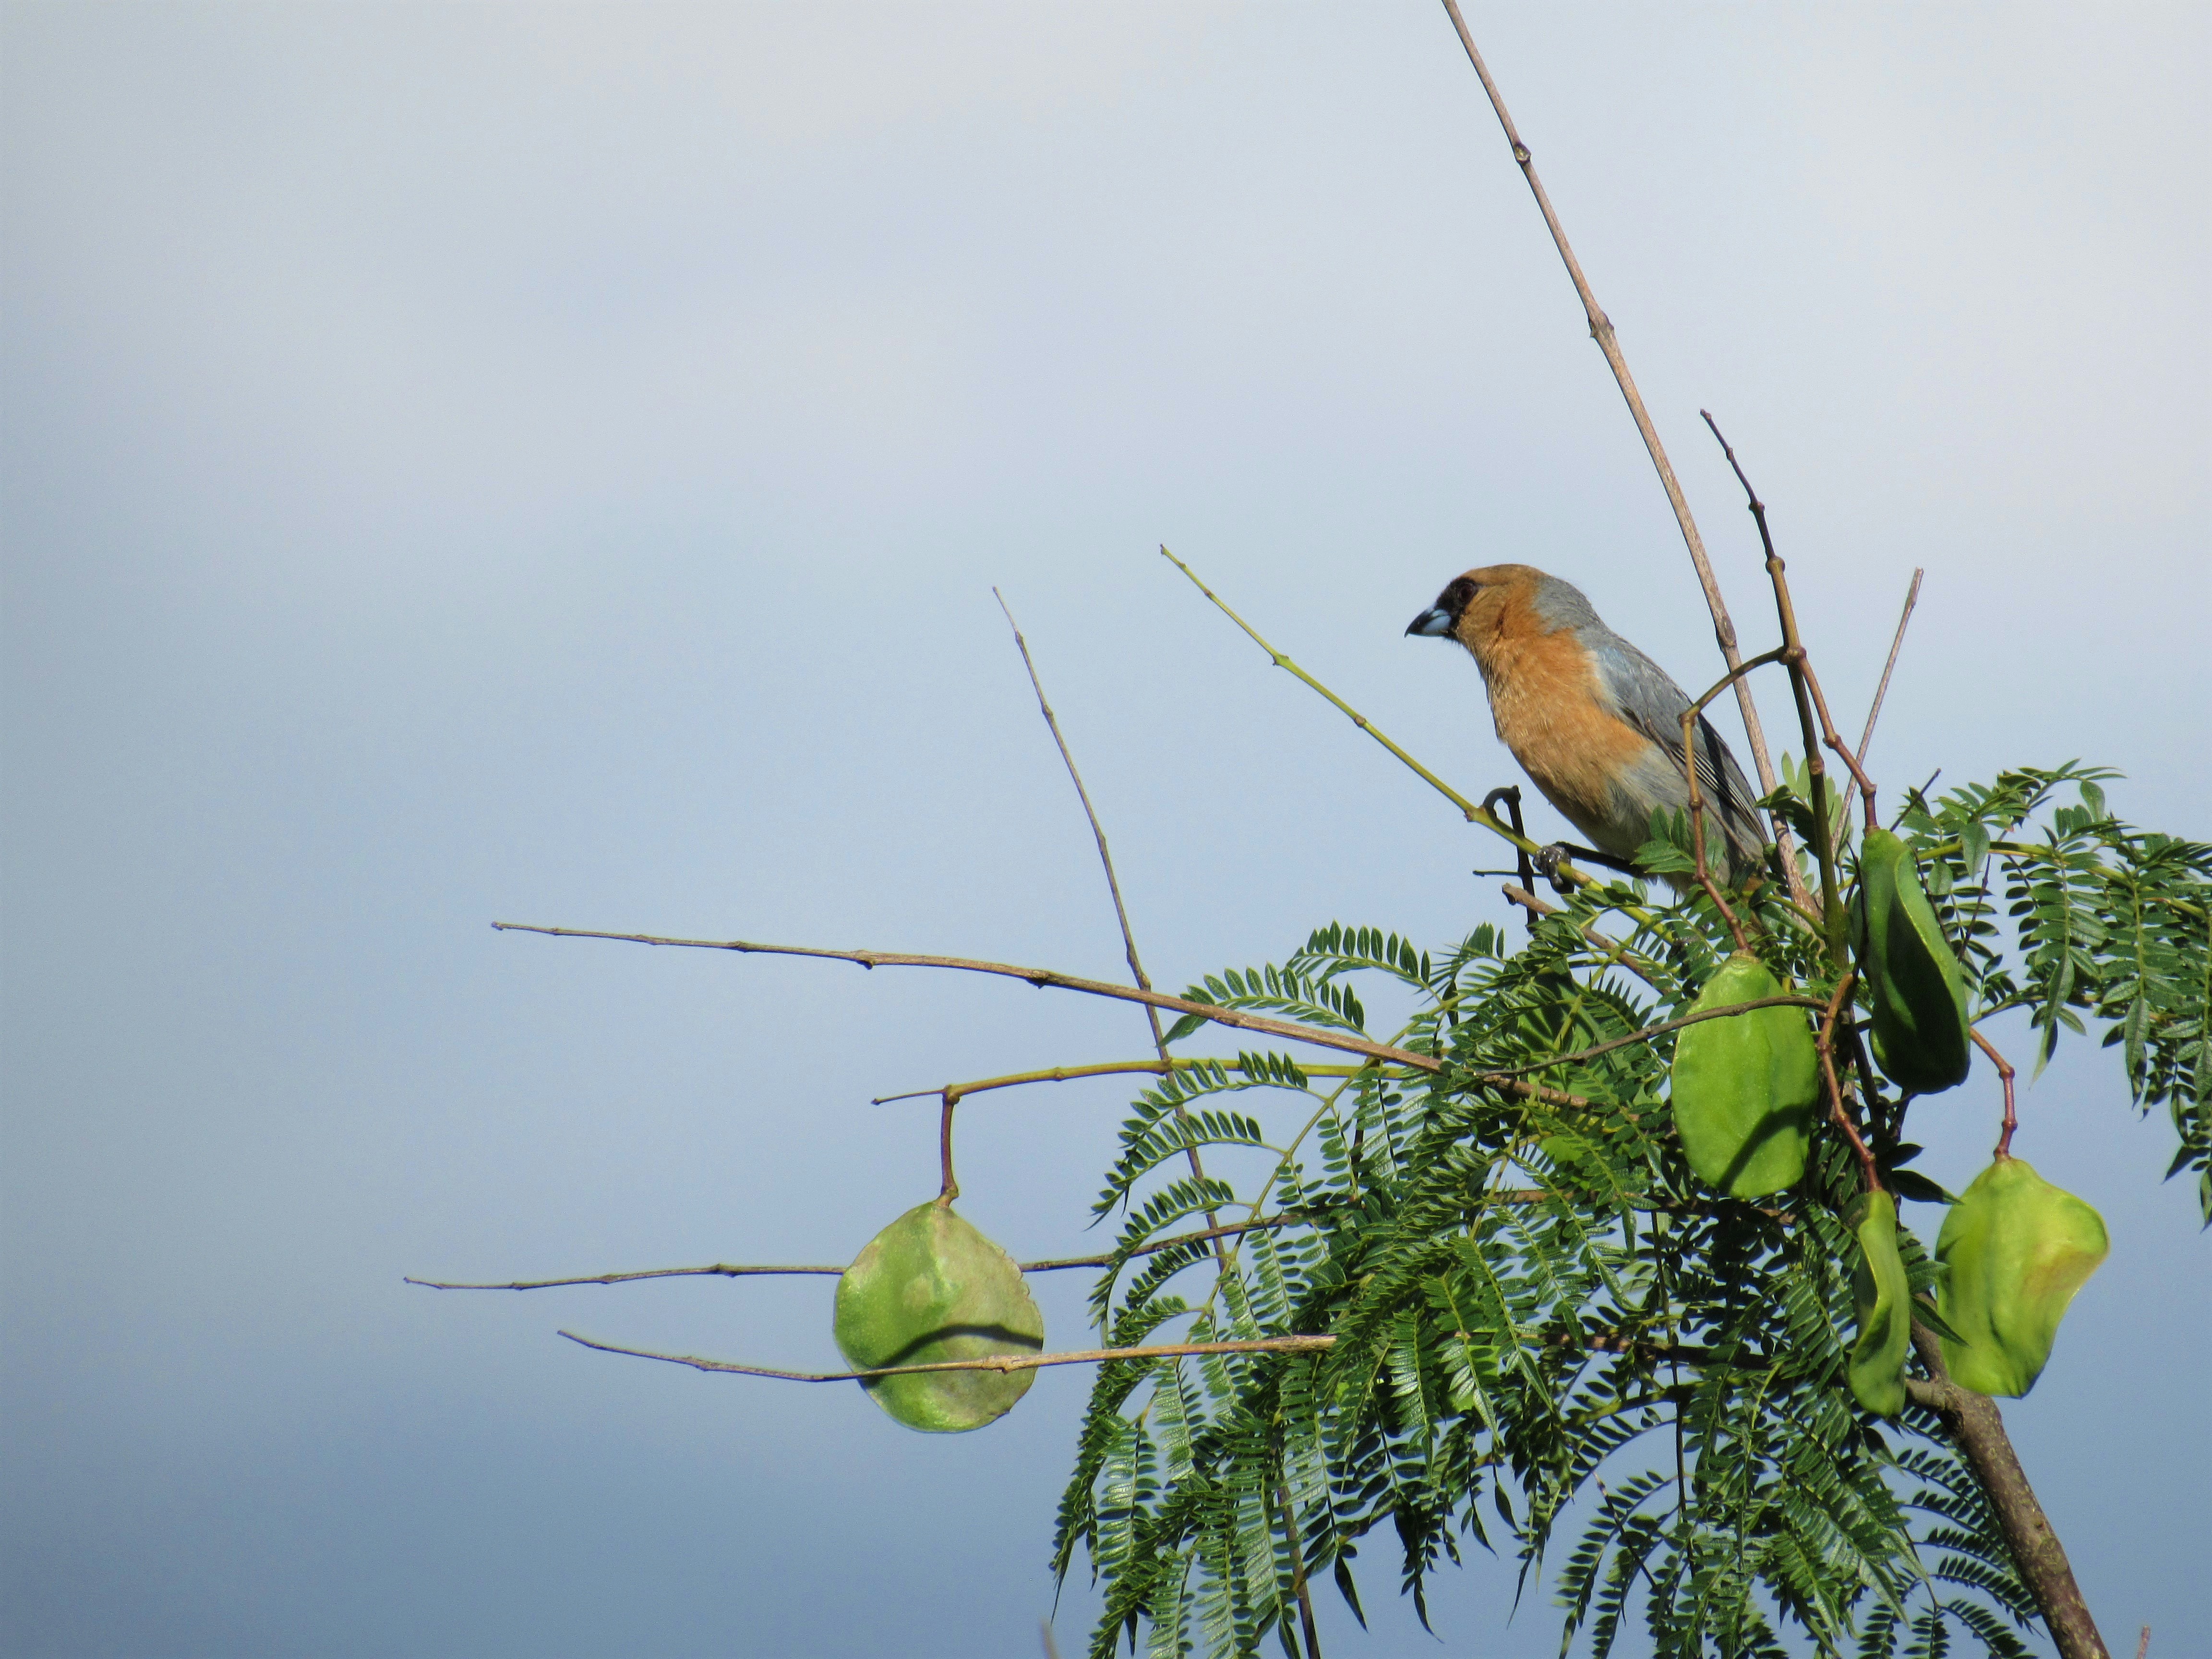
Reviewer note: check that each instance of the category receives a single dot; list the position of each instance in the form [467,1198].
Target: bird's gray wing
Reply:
[1651,702]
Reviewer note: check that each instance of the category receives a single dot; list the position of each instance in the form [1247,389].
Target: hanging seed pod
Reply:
[1883,1297]
[2013,1252]
[1744,1086]
[1917,994]
[929,1288]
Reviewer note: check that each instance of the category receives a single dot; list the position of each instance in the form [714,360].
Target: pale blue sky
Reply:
[551,463]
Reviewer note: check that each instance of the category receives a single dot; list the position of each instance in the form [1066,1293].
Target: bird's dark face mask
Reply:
[1438,621]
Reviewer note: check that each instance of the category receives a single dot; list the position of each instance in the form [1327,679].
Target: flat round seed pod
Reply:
[1882,1295]
[930,1288]
[2013,1252]
[1744,1086]
[1917,994]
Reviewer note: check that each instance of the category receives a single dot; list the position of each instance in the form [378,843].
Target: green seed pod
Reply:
[1883,1296]
[1917,994]
[2013,1251]
[929,1288]
[1744,1086]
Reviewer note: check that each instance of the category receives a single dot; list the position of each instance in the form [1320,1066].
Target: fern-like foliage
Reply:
[1551,1341]
[2112,925]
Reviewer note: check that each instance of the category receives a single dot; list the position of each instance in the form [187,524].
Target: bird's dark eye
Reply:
[1456,597]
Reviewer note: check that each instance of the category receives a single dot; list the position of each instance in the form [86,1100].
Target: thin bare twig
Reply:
[1474,814]
[1601,331]
[1510,1195]
[1097,834]
[1660,1029]
[1645,969]
[1044,977]
[1781,653]
[1107,1068]
[1824,852]
[719,1269]
[727,1270]
[1802,678]
[1002,1363]
[2005,1075]
[1692,717]
[1825,1046]
[1873,714]
[1113,885]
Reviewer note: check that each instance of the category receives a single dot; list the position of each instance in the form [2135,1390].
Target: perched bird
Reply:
[1596,725]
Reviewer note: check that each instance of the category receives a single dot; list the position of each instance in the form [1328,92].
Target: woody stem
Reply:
[2005,1074]
[1824,852]
[1601,331]
[950,1188]
[1869,1172]
[1697,834]
[1976,1427]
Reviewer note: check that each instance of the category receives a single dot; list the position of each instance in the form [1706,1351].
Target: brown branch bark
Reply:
[1973,1423]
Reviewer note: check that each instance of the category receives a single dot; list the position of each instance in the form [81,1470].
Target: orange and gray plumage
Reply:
[1596,725]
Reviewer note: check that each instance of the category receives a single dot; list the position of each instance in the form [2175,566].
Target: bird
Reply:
[1596,725]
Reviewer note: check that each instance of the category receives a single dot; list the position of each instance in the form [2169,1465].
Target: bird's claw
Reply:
[1548,860]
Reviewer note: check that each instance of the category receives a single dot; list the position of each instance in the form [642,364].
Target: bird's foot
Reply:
[1548,860]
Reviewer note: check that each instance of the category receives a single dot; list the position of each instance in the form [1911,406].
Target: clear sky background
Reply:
[550,463]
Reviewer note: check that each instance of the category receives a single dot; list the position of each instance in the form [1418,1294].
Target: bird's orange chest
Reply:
[1550,712]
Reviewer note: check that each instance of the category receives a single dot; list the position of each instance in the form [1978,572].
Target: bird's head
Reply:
[1483,603]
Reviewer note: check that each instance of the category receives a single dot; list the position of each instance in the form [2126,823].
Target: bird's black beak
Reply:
[1434,624]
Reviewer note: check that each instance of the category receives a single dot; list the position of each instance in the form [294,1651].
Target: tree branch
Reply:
[1620,955]
[1976,1427]
[2005,1076]
[719,1269]
[1044,977]
[1113,885]
[1106,1068]
[1873,714]
[1824,852]
[1601,331]
[729,1270]
[1660,1029]
[1002,1363]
